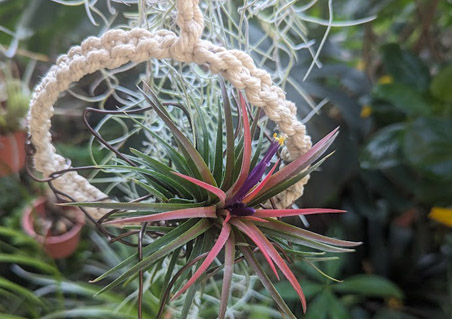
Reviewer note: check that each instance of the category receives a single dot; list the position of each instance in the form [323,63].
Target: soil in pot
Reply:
[57,229]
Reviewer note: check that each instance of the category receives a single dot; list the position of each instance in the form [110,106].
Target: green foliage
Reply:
[14,98]
[440,85]
[406,68]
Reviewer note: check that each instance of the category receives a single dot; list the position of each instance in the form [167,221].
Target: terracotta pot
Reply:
[12,153]
[60,246]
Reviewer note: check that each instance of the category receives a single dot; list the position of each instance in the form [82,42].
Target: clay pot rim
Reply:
[28,221]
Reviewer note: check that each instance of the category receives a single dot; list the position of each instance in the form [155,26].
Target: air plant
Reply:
[216,201]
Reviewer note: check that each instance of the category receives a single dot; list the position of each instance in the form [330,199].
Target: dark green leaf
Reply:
[201,227]
[405,67]
[404,98]
[230,156]
[335,308]
[218,164]
[266,282]
[440,86]
[20,291]
[155,207]
[195,160]
[369,285]
[151,190]
[427,147]
[318,308]
[151,248]
[383,150]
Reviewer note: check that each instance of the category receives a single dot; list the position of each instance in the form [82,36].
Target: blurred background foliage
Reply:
[386,83]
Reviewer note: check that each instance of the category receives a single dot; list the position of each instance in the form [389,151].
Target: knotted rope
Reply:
[117,47]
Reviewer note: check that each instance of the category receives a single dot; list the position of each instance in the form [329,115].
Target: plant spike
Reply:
[244,170]
[198,212]
[230,157]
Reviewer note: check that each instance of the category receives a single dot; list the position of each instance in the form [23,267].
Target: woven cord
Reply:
[117,47]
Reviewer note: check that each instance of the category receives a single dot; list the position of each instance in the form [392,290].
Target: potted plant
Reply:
[14,98]
[56,228]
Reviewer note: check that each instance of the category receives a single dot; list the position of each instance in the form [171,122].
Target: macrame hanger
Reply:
[117,47]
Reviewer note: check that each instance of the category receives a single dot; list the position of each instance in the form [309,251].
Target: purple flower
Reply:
[234,204]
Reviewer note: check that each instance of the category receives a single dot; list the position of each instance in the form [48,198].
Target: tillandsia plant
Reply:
[207,200]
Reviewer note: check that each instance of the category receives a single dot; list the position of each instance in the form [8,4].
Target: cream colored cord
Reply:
[117,47]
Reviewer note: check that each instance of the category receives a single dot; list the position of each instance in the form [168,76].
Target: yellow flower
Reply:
[441,215]
[385,79]
[394,303]
[366,111]
[360,66]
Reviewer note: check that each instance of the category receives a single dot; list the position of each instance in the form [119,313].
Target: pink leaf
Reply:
[289,229]
[254,218]
[266,213]
[222,238]
[302,161]
[214,190]
[229,255]
[248,198]
[195,212]
[267,246]
[246,159]
[245,228]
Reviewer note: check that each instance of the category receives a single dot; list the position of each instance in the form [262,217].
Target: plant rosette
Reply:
[58,232]
[218,196]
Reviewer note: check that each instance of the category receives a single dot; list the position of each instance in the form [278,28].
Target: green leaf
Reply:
[405,67]
[318,308]
[369,286]
[230,150]
[258,150]
[167,171]
[20,291]
[384,149]
[151,190]
[266,282]
[404,98]
[89,312]
[155,207]
[151,248]
[29,261]
[218,164]
[177,159]
[170,270]
[162,182]
[194,159]
[310,289]
[7,316]
[427,147]
[201,227]
[335,308]
[304,241]
[203,144]
[205,245]
[440,86]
